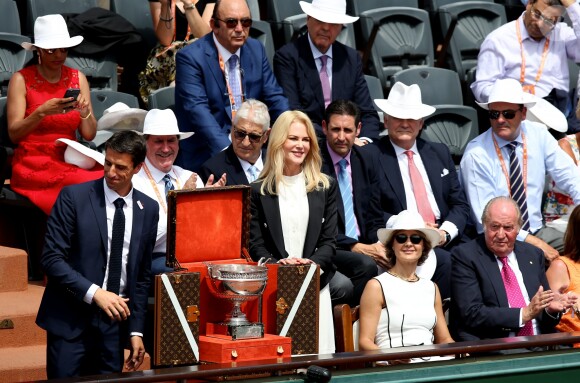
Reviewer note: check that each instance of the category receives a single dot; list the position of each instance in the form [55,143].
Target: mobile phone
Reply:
[72,92]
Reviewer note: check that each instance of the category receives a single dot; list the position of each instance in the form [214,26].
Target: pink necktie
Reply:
[419,190]
[324,80]
[514,294]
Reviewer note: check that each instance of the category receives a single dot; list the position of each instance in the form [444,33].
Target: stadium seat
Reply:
[12,58]
[438,85]
[163,98]
[101,73]
[262,32]
[138,13]
[36,8]
[9,17]
[254,9]
[101,99]
[278,10]
[356,7]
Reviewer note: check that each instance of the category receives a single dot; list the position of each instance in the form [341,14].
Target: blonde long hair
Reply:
[272,174]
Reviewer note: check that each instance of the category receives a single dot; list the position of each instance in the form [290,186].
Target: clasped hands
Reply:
[552,302]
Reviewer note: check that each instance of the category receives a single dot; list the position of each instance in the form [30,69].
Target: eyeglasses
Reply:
[241,135]
[402,238]
[232,23]
[51,51]
[507,114]
[549,22]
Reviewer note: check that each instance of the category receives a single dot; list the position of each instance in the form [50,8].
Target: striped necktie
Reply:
[234,81]
[518,191]
[168,184]
[346,194]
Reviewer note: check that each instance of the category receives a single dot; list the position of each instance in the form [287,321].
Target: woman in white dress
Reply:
[398,308]
[294,209]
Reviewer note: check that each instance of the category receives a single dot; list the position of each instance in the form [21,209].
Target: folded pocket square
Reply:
[445,172]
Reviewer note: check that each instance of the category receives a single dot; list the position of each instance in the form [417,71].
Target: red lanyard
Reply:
[503,166]
[530,88]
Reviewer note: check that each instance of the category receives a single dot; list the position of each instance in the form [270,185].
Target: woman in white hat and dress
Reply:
[398,308]
[39,114]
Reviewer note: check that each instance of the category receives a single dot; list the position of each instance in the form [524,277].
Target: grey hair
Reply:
[485,214]
[259,111]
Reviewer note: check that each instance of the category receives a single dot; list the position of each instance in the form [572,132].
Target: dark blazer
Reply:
[366,195]
[202,103]
[75,257]
[296,72]
[480,308]
[227,162]
[442,175]
[267,238]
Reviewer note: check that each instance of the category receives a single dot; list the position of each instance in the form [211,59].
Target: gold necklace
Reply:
[413,278]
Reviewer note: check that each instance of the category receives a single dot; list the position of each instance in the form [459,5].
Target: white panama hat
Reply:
[508,90]
[51,32]
[328,11]
[80,155]
[408,220]
[404,102]
[120,117]
[163,123]
[547,114]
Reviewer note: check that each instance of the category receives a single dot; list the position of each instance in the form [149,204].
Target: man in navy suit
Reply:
[437,194]
[90,315]
[242,161]
[298,66]
[359,252]
[214,75]
[482,299]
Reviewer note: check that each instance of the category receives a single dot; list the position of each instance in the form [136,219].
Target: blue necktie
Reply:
[234,82]
[168,184]
[517,191]
[253,173]
[115,256]
[346,194]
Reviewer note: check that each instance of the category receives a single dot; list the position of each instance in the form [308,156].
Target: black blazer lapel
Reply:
[136,233]
[316,206]
[274,222]
[308,67]
[236,175]
[392,172]
[97,201]
[489,262]
[433,168]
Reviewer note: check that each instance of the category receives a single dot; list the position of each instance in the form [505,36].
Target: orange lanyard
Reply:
[530,88]
[230,93]
[154,185]
[503,166]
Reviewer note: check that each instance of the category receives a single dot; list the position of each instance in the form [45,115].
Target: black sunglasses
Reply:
[51,51]
[241,135]
[402,238]
[232,23]
[507,114]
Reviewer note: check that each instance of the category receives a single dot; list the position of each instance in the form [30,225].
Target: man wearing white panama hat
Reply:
[511,149]
[158,174]
[315,69]
[420,176]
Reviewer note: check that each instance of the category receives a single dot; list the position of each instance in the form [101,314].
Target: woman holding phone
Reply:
[41,109]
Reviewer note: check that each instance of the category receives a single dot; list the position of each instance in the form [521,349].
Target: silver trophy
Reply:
[238,283]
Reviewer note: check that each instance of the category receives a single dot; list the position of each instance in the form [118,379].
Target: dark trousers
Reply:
[354,270]
[98,350]
[442,275]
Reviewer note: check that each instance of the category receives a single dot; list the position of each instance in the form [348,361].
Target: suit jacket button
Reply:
[322,219]
[265,224]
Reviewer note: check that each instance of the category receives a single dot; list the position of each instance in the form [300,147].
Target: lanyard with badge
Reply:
[230,93]
[530,88]
[503,166]
[154,185]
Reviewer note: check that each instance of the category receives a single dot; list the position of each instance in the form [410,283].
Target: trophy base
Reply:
[239,331]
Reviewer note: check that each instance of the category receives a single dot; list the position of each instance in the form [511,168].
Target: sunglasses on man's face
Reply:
[402,238]
[507,114]
[241,135]
[232,23]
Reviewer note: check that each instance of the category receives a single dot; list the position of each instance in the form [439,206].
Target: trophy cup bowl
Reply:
[238,283]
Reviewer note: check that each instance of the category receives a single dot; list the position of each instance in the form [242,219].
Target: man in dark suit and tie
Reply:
[358,250]
[315,69]
[242,161]
[420,175]
[97,259]
[213,77]
[499,285]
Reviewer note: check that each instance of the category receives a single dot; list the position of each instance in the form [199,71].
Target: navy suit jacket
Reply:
[366,195]
[75,257]
[267,237]
[202,103]
[296,72]
[442,175]
[479,303]
[227,162]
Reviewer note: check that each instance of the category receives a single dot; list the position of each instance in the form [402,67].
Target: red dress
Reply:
[38,167]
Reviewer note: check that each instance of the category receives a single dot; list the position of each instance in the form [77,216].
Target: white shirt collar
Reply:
[158,174]
[223,51]
[111,195]
[259,164]
[316,53]
[399,151]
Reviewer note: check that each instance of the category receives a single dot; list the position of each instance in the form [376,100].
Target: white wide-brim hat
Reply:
[547,114]
[508,90]
[120,117]
[328,11]
[160,122]
[404,102]
[80,155]
[51,32]
[408,220]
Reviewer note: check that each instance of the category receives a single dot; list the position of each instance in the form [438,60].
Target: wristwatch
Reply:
[447,238]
